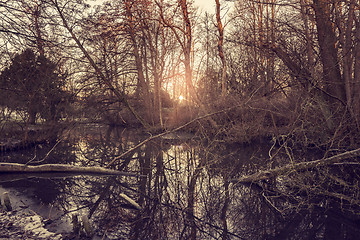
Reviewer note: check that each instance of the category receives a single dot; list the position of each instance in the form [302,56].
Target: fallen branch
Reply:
[130,201]
[13,177]
[59,168]
[280,171]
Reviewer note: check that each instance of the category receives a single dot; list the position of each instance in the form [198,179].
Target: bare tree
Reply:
[221,48]
[334,85]
[183,35]
[121,97]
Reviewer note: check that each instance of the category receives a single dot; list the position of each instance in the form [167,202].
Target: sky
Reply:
[206,5]
[209,5]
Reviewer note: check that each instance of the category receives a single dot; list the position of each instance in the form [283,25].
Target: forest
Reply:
[282,76]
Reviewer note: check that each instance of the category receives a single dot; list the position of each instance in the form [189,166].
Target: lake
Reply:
[185,188]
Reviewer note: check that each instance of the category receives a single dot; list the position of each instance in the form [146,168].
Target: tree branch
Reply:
[272,173]
[98,71]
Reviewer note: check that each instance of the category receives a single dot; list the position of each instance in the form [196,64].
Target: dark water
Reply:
[186,190]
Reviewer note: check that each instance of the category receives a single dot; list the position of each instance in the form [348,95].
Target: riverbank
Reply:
[16,137]
[23,221]
[18,224]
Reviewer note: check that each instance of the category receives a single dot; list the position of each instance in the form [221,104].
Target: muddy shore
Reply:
[21,225]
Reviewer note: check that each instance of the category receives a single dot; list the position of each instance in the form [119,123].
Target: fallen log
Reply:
[59,168]
[284,170]
[13,177]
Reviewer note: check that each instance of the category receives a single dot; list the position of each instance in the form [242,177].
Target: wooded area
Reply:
[280,72]
[128,62]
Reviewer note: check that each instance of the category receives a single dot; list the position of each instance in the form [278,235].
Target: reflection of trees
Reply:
[46,190]
[59,151]
[98,146]
[188,193]
[175,193]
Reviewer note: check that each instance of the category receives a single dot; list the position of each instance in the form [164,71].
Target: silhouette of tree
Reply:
[32,84]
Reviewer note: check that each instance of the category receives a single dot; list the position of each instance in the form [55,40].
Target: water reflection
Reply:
[186,192]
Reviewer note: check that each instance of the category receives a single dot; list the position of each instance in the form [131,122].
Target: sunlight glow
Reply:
[181,98]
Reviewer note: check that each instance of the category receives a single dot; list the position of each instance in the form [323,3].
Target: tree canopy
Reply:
[31,84]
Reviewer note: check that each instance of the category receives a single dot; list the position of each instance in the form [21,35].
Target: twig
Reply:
[46,156]
[272,205]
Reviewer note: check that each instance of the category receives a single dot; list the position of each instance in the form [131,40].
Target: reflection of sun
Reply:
[181,98]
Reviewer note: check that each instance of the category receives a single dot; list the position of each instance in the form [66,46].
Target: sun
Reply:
[181,98]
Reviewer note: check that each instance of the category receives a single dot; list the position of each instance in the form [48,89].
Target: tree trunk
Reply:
[356,85]
[347,55]
[224,234]
[32,116]
[142,89]
[309,38]
[191,199]
[334,85]
[221,48]
[39,40]
[187,50]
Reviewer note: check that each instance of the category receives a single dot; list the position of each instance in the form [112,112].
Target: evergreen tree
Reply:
[32,84]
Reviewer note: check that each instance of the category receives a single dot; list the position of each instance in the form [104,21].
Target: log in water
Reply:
[59,168]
